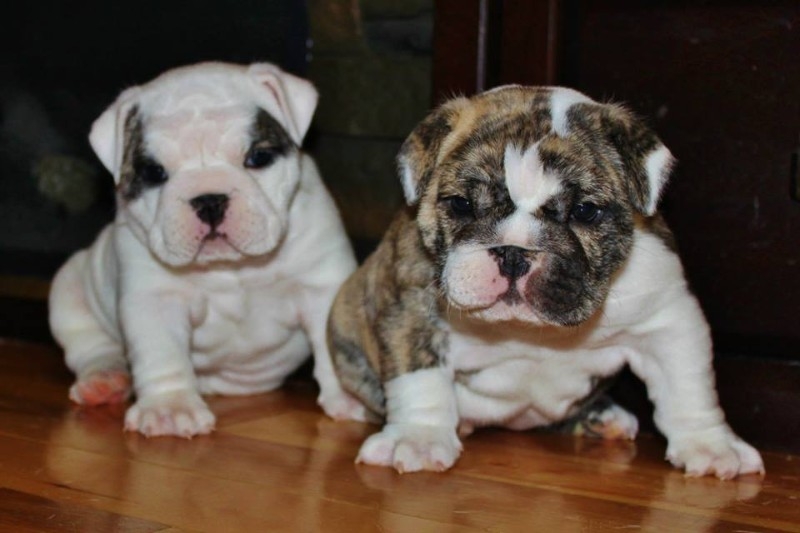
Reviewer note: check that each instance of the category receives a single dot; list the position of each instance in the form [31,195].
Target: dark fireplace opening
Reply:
[65,62]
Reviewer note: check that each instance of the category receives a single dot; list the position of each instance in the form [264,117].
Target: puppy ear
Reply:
[645,161]
[107,135]
[296,97]
[419,153]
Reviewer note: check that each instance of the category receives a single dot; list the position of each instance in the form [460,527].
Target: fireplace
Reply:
[65,62]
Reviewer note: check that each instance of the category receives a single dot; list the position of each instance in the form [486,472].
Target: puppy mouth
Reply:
[213,244]
[512,305]
[511,299]
[215,235]
[511,296]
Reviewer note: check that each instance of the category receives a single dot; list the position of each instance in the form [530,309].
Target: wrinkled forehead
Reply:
[523,143]
[522,114]
[222,102]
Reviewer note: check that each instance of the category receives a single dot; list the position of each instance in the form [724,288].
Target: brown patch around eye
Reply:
[267,131]
[130,186]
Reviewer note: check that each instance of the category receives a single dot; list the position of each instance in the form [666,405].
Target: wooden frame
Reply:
[492,48]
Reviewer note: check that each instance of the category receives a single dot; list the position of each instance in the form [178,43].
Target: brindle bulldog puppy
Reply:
[530,265]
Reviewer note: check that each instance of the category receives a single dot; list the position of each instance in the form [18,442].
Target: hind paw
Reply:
[101,387]
[610,422]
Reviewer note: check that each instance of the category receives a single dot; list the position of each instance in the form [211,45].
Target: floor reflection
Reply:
[294,471]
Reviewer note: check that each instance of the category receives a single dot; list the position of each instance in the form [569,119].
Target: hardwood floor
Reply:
[277,464]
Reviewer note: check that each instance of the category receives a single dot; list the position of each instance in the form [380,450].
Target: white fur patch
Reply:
[561,99]
[408,182]
[528,184]
[471,278]
[658,164]
[503,88]
[423,397]
[518,229]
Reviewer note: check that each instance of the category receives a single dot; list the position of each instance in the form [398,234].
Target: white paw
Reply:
[411,448]
[101,387]
[342,406]
[182,414]
[717,452]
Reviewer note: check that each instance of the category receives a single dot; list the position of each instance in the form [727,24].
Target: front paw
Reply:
[411,448]
[180,414]
[717,452]
[101,387]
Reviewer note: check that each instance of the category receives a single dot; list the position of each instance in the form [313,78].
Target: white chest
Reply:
[236,319]
[502,376]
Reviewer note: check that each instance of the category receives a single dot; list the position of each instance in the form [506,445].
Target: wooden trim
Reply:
[24,287]
[456,26]
[479,44]
[529,52]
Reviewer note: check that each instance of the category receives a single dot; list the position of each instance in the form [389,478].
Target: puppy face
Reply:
[205,159]
[527,199]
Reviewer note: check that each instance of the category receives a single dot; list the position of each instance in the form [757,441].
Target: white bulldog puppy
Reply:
[531,265]
[218,272]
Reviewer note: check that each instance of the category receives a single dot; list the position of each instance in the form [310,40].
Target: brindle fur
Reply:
[387,318]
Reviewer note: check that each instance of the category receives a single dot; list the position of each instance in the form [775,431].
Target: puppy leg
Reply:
[91,353]
[352,370]
[334,400]
[676,365]
[355,374]
[421,421]
[168,401]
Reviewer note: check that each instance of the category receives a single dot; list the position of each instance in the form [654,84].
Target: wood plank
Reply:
[276,463]
[22,512]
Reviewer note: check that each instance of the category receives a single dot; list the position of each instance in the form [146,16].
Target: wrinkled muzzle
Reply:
[512,283]
[217,214]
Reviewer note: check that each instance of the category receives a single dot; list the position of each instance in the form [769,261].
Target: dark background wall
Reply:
[63,63]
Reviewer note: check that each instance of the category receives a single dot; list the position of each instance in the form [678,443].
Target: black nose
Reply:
[511,260]
[210,208]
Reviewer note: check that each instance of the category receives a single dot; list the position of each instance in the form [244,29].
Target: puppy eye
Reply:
[151,173]
[460,206]
[586,213]
[261,156]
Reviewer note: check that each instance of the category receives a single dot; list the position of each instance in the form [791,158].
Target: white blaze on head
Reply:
[561,99]
[529,186]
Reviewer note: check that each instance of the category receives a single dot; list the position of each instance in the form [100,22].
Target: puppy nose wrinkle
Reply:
[511,260]
[210,208]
